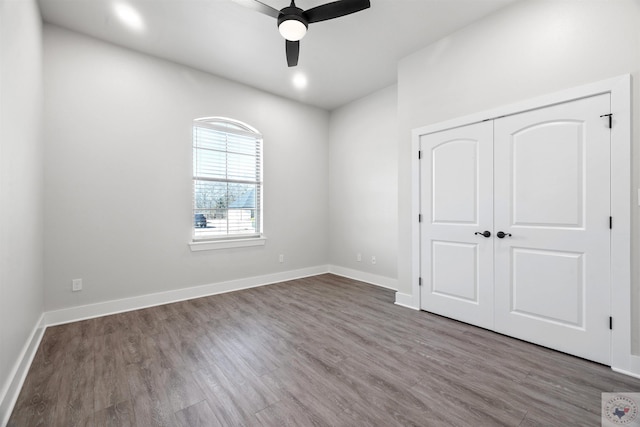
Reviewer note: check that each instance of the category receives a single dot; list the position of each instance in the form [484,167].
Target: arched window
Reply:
[227,179]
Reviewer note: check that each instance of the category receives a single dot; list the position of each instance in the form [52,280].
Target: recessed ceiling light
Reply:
[300,81]
[129,16]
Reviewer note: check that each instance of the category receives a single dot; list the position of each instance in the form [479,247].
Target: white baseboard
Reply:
[74,314]
[631,368]
[406,300]
[373,279]
[11,390]
[624,372]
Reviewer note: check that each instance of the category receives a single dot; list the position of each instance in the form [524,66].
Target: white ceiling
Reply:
[343,59]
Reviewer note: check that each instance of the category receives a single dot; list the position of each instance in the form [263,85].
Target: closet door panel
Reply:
[456,178]
[552,200]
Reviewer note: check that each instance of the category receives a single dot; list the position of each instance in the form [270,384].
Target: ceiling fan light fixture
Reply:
[293,21]
[292,28]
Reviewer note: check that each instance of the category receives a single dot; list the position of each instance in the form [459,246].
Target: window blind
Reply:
[227,180]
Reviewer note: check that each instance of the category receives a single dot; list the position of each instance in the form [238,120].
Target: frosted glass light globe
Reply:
[292,30]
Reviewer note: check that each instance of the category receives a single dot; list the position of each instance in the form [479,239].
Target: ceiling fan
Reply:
[293,21]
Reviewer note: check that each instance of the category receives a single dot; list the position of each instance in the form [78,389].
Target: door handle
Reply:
[485,233]
[502,235]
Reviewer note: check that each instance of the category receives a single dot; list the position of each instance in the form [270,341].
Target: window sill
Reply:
[209,245]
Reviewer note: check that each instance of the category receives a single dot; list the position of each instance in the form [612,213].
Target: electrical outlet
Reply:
[373,259]
[76,285]
[359,257]
[281,258]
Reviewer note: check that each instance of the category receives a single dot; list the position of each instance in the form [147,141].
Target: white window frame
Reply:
[233,240]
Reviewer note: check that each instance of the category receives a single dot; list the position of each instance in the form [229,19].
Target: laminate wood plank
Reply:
[376,389]
[197,415]
[149,320]
[309,386]
[233,367]
[136,347]
[164,311]
[188,312]
[323,350]
[192,347]
[233,308]
[541,401]
[118,415]
[109,324]
[353,343]
[228,409]
[163,351]
[52,350]
[216,308]
[110,386]
[363,415]
[132,325]
[312,333]
[559,397]
[465,404]
[367,333]
[59,344]
[75,399]
[37,402]
[294,410]
[151,404]
[177,324]
[251,392]
[560,416]
[254,392]
[510,351]
[181,388]
[366,391]
[250,351]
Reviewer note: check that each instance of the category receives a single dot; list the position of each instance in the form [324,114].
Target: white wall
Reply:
[531,48]
[363,185]
[21,186]
[118,174]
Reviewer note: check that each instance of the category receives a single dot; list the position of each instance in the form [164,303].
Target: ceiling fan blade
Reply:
[259,7]
[293,51]
[335,9]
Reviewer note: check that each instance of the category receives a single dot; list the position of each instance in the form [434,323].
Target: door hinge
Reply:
[610,322]
[610,223]
[419,281]
[610,116]
[419,217]
[419,154]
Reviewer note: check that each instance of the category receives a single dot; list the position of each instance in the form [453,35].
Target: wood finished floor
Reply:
[311,352]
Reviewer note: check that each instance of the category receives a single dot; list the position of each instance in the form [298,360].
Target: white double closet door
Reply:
[542,177]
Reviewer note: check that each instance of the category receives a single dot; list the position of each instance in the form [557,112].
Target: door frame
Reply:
[620,90]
